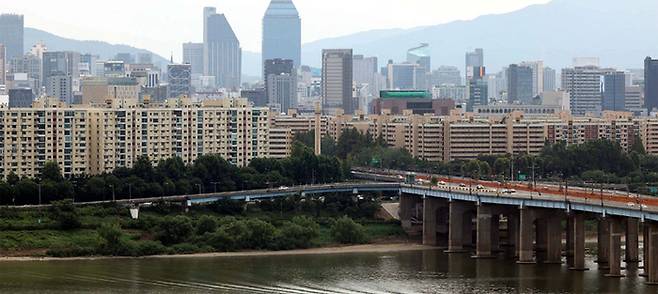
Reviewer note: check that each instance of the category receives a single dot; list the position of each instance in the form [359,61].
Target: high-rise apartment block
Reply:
[94,140]
[11,34]
[337,81]
[550,83]
[584,87]
[282,32]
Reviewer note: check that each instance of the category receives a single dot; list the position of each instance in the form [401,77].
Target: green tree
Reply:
[174,230]
[51,171]
[346,231]
[65,214]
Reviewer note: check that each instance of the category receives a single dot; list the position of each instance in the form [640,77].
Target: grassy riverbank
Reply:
[108,230]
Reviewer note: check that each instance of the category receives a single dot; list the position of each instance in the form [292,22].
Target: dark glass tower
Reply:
[282,32]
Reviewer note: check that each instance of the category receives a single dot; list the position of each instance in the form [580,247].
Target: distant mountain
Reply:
[621,33]
[103,49]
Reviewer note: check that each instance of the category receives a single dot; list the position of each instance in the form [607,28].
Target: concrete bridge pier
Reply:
[603,243]
[554,240]
[485,235]
[526,236]
[513,233]
[406,210]
[432,220]
[632,240]
[576,242]
[651,260]
[460,227]
[614,257]
[541,241]
[645,249]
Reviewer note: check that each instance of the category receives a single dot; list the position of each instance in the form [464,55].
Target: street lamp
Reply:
[199,185]
[113,195]
[215,185]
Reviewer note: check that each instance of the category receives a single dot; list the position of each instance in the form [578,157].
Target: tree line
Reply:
[208,173]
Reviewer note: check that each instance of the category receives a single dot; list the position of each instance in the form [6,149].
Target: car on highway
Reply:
[480,187]
[283,188]
[509,191]
[442,183]
[462,185]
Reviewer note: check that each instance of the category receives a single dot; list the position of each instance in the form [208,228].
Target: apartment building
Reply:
[93,140]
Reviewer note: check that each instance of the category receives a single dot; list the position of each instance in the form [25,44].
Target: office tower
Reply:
[280,83]
[30,66]
[127,58]
[478,94]
[3,65]
[446,75]
[586,62]
[365,73]
[179,79]
[421,56]
[549,79]
[474,59]
[256,96]
[87,64]
[60,73]
[403,76]
[38,49]
[584,87]
[21,97]
[282,32]
[614,91]
[634,101]
[337,81]
[11,34]
[537,76]
[144,58]
[193,55]
[651,84]
[222,52]
[282,91]
[519,84]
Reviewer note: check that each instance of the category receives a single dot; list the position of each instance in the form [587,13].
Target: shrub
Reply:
[114,241]
[297,234]
[206,224]
[66,214]
[228,207]
[185,248]
[220,240]
[74,251]
[146,248]
[260,234]
[174,230]
[346,231]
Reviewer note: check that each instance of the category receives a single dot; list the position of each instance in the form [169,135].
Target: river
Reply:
[423,271]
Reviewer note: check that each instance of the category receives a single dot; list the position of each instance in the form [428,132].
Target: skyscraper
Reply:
[549,79]
[651,84]
[614,91]
[282,32]
[193,55]
[11,34]
[3,65]
[421,56]
[403,76]
[519,84]
[478,92]
[337,80]
[446,75]
[280,83]
[222,52]
[60,71]
[474,59]
[584,86]
[179,78]
[537,76]
[365,71]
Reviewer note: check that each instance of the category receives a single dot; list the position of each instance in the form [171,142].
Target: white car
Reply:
[480,187]
[283,188]
[442,183]
[631,204]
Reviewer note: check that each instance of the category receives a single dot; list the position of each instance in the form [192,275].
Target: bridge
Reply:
[465,216]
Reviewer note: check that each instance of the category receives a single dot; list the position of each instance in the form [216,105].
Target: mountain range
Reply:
[621,33]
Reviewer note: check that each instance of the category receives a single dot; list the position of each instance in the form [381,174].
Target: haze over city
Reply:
[161,30]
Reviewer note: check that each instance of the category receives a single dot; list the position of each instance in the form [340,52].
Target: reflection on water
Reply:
[427,271]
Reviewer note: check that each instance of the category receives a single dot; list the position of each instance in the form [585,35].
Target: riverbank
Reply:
[366,248]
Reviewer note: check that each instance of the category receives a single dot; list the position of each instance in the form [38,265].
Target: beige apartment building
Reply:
[93,140]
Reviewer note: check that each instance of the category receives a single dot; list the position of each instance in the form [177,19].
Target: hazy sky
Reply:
[163,25]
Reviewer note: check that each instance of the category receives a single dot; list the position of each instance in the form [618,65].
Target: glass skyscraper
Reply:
[282,32]
[11,34]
